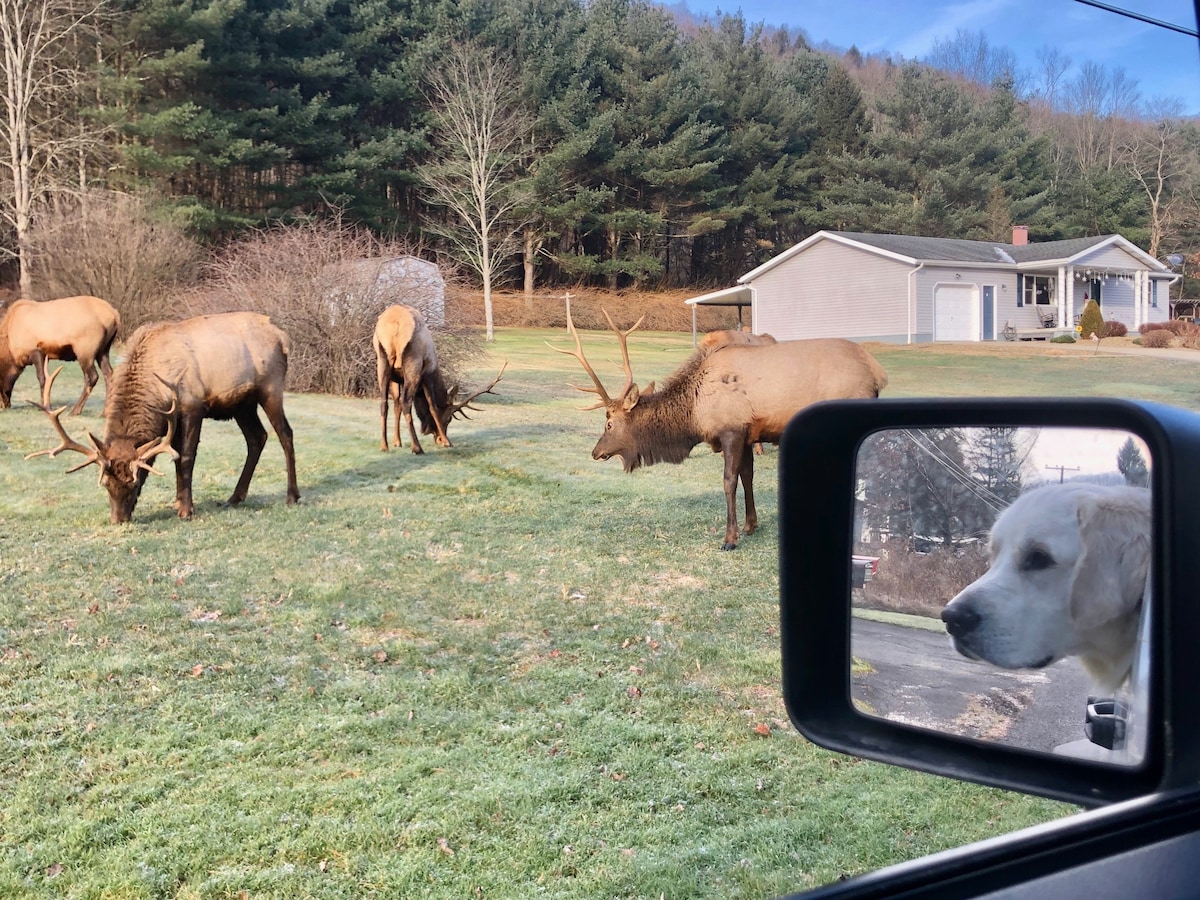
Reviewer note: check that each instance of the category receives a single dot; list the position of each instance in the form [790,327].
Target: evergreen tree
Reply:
[1132,465]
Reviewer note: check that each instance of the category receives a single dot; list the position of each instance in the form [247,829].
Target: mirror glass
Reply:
[999,585]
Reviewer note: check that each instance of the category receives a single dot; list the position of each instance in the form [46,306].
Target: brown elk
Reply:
[729,397]
[79,328]
[722,338]
[736,336]
[407,369]
[175,375]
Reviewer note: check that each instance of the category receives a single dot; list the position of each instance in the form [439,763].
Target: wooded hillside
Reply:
[643,148]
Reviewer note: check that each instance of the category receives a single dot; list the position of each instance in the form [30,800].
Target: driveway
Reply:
[1114,349]
[913,675]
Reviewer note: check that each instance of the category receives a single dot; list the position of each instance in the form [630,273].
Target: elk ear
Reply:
[632,396]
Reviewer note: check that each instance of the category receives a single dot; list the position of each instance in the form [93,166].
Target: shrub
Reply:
[1091,321]
[115,246]
[1113,328]
[1147,327]
[1062,339]
[319,281]
[1157,338]
[921,583]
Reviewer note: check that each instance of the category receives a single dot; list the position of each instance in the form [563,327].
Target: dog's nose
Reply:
[960,621]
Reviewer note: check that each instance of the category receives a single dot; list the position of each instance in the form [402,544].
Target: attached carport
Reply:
[740,296]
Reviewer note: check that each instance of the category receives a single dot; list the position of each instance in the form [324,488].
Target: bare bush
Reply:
[1157,338]
[114,246]
[1113,328]
[1177,327]
[325,283]
[922,583]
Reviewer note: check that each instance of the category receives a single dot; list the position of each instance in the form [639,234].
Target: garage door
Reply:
[954,313]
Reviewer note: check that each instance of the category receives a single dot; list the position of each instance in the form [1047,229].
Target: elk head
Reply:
[123,462]
[616,439]
[455,407]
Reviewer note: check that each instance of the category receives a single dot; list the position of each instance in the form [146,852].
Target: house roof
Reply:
[912,249]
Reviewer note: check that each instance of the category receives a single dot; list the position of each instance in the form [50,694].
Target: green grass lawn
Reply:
[496,670]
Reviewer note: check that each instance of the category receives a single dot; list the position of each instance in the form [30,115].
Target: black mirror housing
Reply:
[816,490]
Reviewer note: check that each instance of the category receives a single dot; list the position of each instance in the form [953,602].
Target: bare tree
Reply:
[40,74]
[970,56]
[477,171]
[1157,155]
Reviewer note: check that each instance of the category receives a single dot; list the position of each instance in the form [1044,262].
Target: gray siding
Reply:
[1108,257]
[833,291]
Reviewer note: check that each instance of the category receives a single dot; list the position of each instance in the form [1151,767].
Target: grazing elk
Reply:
[175,375]
[729,397]
[79,328]
[407,367]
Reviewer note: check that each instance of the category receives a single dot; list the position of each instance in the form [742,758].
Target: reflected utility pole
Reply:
[1062,469]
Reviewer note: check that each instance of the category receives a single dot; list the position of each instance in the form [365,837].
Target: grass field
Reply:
[496,670]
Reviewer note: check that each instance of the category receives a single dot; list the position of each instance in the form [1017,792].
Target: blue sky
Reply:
[1163,62]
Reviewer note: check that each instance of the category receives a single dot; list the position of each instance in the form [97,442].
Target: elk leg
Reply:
[747,475]
[90,377]
[733,448]
[273,407]
[406,400]
[256,439]
[383,372]
[41,368]
[187,439]
[396,408]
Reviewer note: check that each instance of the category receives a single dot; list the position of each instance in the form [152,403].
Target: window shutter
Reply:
[1020,289]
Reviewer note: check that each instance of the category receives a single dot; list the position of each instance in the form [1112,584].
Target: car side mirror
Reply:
[891,508]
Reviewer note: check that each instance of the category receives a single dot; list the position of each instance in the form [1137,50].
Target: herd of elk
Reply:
[175,375]
[408,372]
[729,396]
[79,328]
[736,390]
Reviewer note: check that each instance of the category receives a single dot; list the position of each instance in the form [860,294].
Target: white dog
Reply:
[1068,571]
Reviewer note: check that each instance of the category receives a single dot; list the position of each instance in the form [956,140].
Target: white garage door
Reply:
[954,313]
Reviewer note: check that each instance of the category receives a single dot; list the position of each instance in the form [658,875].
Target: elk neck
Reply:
[134,407]
[664,421]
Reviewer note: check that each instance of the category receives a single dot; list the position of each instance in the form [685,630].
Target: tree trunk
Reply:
[527,260]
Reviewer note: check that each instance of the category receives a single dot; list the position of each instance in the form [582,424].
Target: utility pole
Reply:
[1062,469]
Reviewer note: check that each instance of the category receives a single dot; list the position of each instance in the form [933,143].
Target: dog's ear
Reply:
[1110,574]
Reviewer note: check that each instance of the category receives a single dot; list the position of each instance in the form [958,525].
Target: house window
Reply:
[1039,290]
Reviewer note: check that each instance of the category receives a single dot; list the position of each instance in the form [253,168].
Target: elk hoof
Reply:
[729,545]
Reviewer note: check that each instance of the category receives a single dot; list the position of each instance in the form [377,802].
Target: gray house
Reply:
[902,289]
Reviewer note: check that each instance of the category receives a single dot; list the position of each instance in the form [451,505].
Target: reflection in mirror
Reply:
[998,584]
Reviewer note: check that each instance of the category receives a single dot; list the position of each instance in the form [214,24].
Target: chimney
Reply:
[1020,235]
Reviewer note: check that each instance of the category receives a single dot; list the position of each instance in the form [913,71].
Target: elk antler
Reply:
[156,446]
[463,405]
[622,337]
[94,454]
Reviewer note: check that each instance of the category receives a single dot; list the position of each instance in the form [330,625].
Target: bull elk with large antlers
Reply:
[729,397]
[175,375]
[80,328]
[408,371]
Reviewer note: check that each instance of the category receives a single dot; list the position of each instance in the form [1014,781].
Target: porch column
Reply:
[1063,298]
[1142,294]
[1068,302]
[1137,299]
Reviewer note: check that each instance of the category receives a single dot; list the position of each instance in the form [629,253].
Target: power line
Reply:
[1190,32]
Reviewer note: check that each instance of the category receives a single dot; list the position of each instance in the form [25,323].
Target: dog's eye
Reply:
[1036,559]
